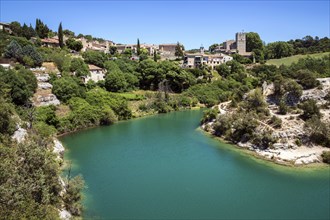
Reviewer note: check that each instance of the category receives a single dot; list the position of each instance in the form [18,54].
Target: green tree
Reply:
[155,56]
[73,44]
[253,42]
[256,102]
[68,33]
[27,32]
[115,81]
[282,108]
[307,79]
[108,116]
[213,47]
[138,47]
[62,61]
[223,70]
[31,52]
[13,50]
[66,88]
[112,50]
[179,50]
[293,92]
[310,109]
[41,29]
[18,88]
[278,50]
[95,57]
[16,28]
[127,52]
[60,35]
[79,67]
[7,123]
[73,196]
[318,131]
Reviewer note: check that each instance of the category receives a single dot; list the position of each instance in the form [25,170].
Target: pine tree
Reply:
[60,36]
[41,29]
[138,48]
[37,28]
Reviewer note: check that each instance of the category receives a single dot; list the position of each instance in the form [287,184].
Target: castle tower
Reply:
[241,42]
[201,49]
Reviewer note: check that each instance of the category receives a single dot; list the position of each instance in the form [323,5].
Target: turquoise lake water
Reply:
[163,167]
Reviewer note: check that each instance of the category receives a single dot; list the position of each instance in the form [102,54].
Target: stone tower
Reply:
[241,42]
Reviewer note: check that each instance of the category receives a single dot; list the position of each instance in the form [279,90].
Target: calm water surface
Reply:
[163,167]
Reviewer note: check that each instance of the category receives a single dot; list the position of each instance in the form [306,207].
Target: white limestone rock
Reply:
[307,160]
[44,85]
[58,148]
[43,77]
[50,99]
[19,135]
[64,214]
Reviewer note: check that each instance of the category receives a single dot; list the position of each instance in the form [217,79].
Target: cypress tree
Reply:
[155,56]
[138,49]
[60,36]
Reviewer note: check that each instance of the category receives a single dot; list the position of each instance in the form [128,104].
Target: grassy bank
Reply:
[289,60]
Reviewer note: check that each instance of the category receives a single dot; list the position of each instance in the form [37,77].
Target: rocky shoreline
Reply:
[302,157]
[292,146]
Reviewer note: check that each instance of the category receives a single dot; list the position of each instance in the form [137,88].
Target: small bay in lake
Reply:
[163,167]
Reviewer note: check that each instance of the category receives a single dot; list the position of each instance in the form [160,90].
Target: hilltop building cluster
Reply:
[234,46]
[195,60]
[220,55]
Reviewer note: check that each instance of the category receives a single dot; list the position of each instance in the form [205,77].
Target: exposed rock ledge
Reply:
[58,149]
[19,134]
[297,156]
[64,214]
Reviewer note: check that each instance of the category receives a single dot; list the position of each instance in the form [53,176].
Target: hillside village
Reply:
[44,96]
[53,83]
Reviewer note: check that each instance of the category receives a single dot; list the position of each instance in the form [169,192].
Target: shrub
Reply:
[326,156]
[282,108]
[298,142]
[209,115]
[143,107]
[276,122]
[310,109]
[66,88]
[318,131]
[263,140]
[223,126]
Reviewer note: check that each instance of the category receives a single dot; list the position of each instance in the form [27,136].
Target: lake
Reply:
[164,167]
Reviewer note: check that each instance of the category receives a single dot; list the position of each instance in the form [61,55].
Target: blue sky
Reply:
[190,22]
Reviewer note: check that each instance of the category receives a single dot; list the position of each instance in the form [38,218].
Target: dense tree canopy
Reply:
[41,29]
[253,42]
[73,44]
[66,88]
[278,50]
[79,67]
[95,57]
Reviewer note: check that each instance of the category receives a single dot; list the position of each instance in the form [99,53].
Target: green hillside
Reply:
[289,60]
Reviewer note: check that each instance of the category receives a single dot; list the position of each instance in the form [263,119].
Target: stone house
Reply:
[95,45]
[5,27]
[194,60]
[96,74]
[167,48]
[50,42]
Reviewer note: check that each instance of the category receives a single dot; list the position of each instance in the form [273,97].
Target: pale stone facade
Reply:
[96,74]
[235,46]
[199,59]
